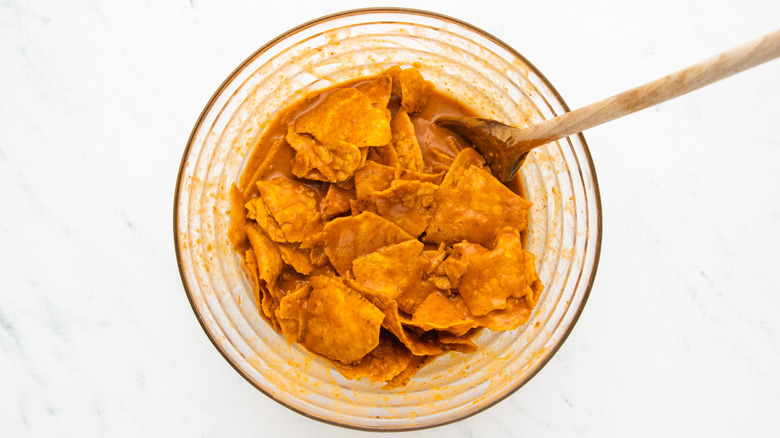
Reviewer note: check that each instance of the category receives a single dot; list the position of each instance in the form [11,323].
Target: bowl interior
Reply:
[564,224]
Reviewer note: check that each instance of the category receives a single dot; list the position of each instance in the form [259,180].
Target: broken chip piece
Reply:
[338,322]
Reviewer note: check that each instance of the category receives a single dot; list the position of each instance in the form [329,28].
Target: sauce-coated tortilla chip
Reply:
[514,315]
[236,231]
[258,211]
[347,238]
[440,157]
[405,142]
[393,321]
[384,155]
[371,178]
[492,275]
[317,254]
[440,312]
[378,90]
[456,343]
[293,206]
[250,269]
[296,257]
[414,90]
[406,375]
[256,170]
[269,266]
[383,363]
[339,323]
[434,274]
[269,261]
[290,313]
[463,161]
[396,271]
[532,279]
[475,210]
[435,258]
[336,201]
[346,115]
[334,162]
[454,270]
[394,72]
[433,178]
[408,204]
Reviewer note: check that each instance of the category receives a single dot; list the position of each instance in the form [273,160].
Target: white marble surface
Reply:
[681,335]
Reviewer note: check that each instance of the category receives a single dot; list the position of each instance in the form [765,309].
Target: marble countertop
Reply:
[681,334]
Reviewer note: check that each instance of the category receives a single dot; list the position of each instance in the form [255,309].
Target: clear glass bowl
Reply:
[463,61]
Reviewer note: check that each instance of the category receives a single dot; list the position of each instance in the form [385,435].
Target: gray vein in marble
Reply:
[702,306]
[23,414]
[23,184]
[521,410]
[710,285]
[9,329]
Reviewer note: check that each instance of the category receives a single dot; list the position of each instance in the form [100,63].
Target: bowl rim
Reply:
[375,10]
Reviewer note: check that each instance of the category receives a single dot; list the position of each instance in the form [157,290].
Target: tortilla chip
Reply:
[383,363]
[339,323]
[433,178]
[293,206]
[396,271]
[317,255]
[384,155]
[248,184]
[238,212]
[269,266]
[439,312]
[347,238]
[475,210]
[408,204]
[440,157]
[463,161]
[250,269]
[414,90]
[260,213]
[269,261]
[406,375]
[296,257]
[290,313]
[348,116]
[435,258]
[514,315]
[456,343]
[393,319]
[378,90]
[371,178]
[334,162]
[535,285]
[336,201]
[492,275]
[405,142]
[434,274]
[454,270]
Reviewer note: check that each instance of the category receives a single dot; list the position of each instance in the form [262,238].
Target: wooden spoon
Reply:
[505,147]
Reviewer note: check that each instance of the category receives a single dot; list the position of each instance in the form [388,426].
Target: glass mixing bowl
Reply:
[461,60]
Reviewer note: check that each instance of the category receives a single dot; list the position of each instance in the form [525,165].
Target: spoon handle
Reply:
[660,90]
